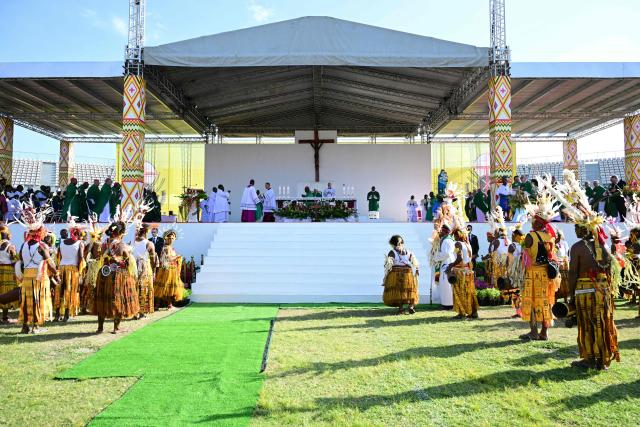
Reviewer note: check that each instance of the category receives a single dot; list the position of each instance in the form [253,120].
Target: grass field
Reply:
[353,366]
[365,367]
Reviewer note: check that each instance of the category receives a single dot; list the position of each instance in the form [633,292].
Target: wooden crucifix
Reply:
[316,143]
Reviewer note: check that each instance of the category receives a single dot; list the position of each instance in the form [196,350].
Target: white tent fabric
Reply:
[316,40]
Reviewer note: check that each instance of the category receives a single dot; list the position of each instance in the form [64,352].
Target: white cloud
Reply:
[259,12]
[119,25]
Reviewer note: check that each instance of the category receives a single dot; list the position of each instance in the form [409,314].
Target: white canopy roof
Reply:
[316,40]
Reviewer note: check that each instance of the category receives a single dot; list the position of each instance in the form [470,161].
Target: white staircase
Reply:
[304,262]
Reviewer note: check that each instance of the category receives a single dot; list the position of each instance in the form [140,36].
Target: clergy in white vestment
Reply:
[329,192]
[269,204]
[412,210]
[248,203]
[221,207]
[445,256]
[211,204]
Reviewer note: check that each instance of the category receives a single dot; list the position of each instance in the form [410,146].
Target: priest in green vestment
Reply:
[93,193]
[69,195]
[79,207]
[373,197]
[598,196]
[102,205]
[116,195]
[482,208]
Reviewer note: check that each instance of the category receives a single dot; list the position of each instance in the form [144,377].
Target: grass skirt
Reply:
[34,301]
[168,286]
[116,295]
[465,301]
[8,283]
[400,287]
[597,333]
[88,287]
[67,294]
[538,295]
[498,268]
[145,286]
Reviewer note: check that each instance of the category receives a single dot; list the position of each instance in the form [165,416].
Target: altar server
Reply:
[210,206]
[270,203]
[221,206]
[412,210]
[248,203]
[329,192]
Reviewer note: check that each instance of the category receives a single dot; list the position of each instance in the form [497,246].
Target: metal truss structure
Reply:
[499,53]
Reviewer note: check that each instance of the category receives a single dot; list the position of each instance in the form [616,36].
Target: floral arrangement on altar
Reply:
[316,212]
[633,188]
[190,198]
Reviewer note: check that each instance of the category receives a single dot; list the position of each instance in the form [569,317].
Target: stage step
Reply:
[304,262]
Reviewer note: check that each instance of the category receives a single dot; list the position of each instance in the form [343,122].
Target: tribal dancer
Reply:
[145,255]
[400,282]
[168,286]
[443,248]
[93,255]
[465,301]
[540,287]
[8,283]
[563,249]
[593,281]
[515,269]
[32,271]
[116,291]
[631,276]
[499,250]
[70,265]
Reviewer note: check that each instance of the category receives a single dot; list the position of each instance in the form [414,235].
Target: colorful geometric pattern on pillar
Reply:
[570,155]
[6,148]
[501,149]
[632,149]
[132,168]
[66,164]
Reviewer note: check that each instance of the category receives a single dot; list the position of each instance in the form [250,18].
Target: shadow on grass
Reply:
[488,384]
[445,351]
[611,394]
[633,344]
[545,354]
[383,321]
[42,337]
[627,323]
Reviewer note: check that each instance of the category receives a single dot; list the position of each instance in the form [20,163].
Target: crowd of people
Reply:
[545,279]
[87,269]
[80,201]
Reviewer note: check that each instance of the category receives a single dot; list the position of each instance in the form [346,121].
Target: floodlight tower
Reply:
[502,153]
[131,173]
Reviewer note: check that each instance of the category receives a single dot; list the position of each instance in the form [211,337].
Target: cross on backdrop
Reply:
[316,143]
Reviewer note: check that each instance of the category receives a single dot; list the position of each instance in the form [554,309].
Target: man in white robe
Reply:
[446,256]
[329,192]
[221,207]
[248,203]
[211,205]
[269,204]
[412,210]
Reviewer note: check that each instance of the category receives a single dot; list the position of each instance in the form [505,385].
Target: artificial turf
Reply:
[200,365]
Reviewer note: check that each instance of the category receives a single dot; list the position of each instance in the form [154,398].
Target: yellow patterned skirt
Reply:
[400,287]
[116,295]
[67,294]
[8,283]
[145,286]
[168,286]
[597,333]
[34,301]
[465,301]
[88,287]
[498,268]
[538,295]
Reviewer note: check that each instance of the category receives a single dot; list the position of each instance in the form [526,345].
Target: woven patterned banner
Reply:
[132,168]
[66,164]
[6,148]
[502,150]
[632,149]
[570,155]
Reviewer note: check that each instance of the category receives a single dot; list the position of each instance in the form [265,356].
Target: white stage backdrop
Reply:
[397,171]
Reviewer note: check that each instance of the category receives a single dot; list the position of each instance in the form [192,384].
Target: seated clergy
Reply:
[329,192]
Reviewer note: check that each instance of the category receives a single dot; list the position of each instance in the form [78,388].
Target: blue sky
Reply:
[90,30]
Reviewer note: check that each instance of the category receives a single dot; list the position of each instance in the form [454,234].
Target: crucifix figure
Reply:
[316,143]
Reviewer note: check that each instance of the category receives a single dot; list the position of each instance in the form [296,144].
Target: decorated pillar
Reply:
[570,156]
[132,155]
[632,149]
[6,148]
[502,151]
[66,164]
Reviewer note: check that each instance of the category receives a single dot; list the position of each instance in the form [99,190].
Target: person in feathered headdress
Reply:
[460,273]
[32,270]
[498,249]
[145,255]
[70,265]
[594,276]
[168,285]
[93,254]
[116,290]
[631,277]
[515,270]
[540,283]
